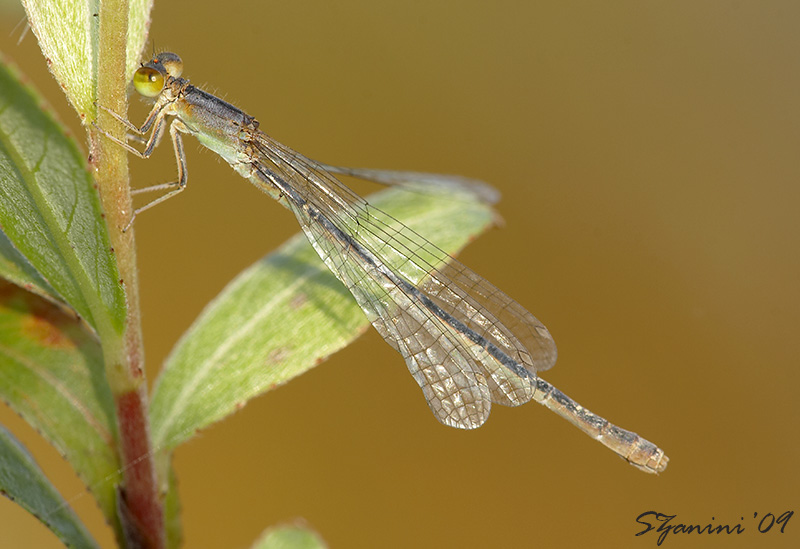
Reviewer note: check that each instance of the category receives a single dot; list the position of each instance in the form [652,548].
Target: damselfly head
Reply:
[171,62]
[150,78]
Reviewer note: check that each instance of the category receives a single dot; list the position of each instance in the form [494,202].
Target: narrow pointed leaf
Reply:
[50,210]
[289,537]
[67,35]
[23,481]
[281,317]
[51,374]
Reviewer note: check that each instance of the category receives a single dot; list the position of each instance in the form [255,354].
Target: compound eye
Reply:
[148,81]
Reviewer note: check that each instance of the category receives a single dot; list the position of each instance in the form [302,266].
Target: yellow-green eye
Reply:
[148,81]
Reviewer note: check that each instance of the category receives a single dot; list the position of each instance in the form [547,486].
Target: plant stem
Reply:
[141,509]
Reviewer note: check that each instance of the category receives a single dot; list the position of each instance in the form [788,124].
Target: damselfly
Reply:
[466,343]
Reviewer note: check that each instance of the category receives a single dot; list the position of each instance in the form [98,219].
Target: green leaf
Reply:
[246,342]
[15,268]
[67,32]
[138,25]
[50,210]
[289,537]
[51,374]
[22,481]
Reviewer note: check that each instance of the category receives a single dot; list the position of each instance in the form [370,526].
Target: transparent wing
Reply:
[466,343]
[421,182]
[456,393]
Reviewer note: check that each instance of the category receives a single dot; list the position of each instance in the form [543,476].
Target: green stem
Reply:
[140,507]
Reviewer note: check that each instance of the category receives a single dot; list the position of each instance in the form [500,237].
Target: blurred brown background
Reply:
[648,157]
